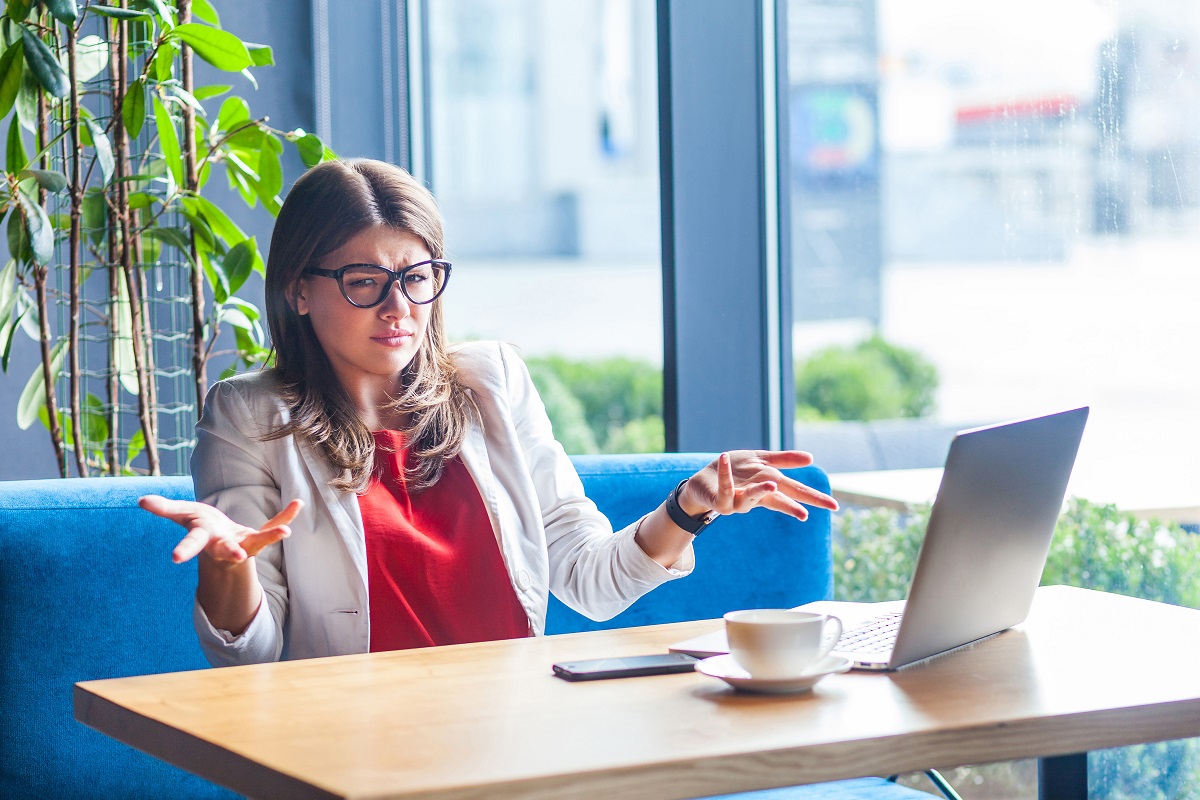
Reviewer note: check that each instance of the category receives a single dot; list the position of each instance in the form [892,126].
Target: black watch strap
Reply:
[692,525]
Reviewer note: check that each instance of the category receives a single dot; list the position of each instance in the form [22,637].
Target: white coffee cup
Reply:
[778,643]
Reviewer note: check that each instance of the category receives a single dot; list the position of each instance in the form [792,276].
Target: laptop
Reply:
[983,553]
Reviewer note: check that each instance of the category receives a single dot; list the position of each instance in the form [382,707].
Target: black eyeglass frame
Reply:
[393,277]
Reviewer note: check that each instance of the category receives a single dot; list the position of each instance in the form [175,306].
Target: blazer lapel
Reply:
[342,508]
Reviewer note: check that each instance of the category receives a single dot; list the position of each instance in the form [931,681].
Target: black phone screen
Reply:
[627,667]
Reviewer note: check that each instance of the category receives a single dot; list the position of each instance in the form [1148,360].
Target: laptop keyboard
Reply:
[873,637]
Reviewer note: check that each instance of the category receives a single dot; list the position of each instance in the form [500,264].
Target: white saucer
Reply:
[725,668]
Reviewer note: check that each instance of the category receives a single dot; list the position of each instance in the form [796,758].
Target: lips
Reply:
[393,338]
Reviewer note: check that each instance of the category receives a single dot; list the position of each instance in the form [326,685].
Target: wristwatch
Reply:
[692,525]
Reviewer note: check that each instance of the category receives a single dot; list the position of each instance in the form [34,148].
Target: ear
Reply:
[296,297]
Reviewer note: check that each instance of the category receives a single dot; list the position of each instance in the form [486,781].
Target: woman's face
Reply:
[367,343]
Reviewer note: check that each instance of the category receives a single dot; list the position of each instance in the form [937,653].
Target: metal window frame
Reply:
[726,266]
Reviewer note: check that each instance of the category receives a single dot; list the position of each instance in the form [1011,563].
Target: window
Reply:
[545,163]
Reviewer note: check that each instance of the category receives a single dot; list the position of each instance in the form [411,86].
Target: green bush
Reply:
[871,380]
[565,411]
[618,400]
[1094,546]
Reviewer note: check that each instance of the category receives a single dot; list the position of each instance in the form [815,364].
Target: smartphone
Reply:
[628,667]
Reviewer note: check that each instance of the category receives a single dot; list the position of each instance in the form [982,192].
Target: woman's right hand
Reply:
[210,532]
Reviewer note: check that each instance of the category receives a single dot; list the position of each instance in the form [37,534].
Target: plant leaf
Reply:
[7,335]
[214,271]
[117,13]
[51,181]
[239,262]
[44,65]
[164,62]
[103,147]
[168,140]
[137,443]
[248,75]
[95,215]
[233,111]
[41,232]
[235,317]
[207,92]
[123,362]
[64,11]
[133,108]
[220,48]
[270,173]
[91,57]
[218,221]
[33,397]
[164,12]
[8,301]
[311,149]
[12,64]
[17,10]
[141,200]
[202,9]
[18,238]
[201,232]
[14,153]
[95,421]
[29,314]
[26,104]
[176,237]
[186,98]
[262,55]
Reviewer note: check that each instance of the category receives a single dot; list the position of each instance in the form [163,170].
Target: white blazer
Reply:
[552,538]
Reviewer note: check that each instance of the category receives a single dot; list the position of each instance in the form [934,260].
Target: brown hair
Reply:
[327,206]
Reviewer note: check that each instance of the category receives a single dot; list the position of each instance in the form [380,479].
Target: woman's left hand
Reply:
[740,480]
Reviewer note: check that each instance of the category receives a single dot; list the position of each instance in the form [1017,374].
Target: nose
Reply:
[395,305]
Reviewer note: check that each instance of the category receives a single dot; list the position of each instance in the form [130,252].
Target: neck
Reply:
[372,397]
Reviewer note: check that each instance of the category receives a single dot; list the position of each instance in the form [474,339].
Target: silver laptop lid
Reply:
[989,533]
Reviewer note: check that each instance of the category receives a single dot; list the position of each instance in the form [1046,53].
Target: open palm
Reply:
[210,532]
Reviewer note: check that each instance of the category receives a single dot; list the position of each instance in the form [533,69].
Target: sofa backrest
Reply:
[757,560]
[88,591]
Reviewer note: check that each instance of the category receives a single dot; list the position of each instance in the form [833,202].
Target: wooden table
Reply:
[1087,670]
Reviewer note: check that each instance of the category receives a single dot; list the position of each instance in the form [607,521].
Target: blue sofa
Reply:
[88,590]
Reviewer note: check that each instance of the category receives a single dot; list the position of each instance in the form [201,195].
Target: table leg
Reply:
[1063,777]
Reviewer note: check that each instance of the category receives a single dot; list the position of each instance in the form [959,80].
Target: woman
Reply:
[424,499]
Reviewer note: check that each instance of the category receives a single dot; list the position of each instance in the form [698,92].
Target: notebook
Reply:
[984,548]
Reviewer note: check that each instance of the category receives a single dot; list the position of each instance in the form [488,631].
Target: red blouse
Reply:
[434,570]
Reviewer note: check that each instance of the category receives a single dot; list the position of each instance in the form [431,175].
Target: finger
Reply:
[724,476]
[195,541]
[786,459]
[751,495]
[799,492]
[175,510]
[284,517]
[255,542]
[785,505]
[227,550]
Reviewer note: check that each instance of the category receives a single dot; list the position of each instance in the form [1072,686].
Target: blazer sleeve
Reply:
[593,570]
[230,471]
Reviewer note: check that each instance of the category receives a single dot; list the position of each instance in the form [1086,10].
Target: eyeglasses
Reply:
[367,285]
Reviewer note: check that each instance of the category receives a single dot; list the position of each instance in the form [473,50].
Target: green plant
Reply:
[1094,546]
[564,409]
[123,147]
[620,400]
[871,380]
